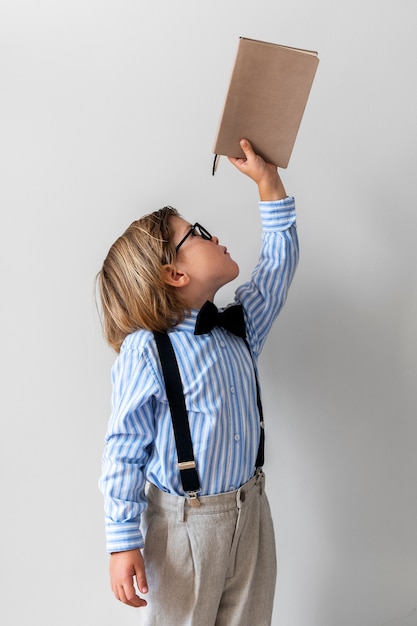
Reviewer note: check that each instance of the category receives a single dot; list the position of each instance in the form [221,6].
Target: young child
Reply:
[205,558]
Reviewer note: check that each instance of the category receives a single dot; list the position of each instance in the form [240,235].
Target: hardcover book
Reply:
[265,102]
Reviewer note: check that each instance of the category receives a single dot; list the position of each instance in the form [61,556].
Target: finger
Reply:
[140,575]
[127,595]
[142,584]
[237,161]
[246,147]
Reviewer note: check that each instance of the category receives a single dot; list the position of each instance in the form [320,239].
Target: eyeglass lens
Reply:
[200,230]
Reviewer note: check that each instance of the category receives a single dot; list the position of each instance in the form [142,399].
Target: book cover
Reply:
[265,102]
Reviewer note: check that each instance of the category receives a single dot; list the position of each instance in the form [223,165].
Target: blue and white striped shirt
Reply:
[219,387]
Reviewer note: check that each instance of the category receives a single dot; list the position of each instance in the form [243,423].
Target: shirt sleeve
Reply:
[265,294]
[128,440]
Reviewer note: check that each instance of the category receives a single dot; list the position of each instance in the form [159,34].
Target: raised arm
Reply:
[265,293]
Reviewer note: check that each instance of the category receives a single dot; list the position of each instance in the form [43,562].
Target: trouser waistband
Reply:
[208,504]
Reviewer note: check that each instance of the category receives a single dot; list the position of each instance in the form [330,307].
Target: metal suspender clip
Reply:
[187,465]
[194,501]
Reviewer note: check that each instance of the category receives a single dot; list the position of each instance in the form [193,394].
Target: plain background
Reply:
[108,111]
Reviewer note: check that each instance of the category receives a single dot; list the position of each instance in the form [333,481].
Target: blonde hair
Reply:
[131,287]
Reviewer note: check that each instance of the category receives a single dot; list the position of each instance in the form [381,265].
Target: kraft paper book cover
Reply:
[266,98]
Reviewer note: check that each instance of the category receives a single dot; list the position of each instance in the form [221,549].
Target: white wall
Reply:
[108,111]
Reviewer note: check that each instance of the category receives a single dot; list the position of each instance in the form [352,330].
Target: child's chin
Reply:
[236,272]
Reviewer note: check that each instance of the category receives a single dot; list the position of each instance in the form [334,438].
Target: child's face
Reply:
[207,264]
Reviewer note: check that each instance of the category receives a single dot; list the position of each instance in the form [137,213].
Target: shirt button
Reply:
[222,344]
[232,389]
[237,437]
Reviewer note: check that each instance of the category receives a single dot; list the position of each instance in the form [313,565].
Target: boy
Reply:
[214,563]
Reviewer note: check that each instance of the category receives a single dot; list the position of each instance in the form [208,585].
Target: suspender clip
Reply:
[194,501]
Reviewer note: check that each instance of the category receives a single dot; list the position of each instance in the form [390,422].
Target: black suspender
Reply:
[260,456]
[186,463]
[174,390]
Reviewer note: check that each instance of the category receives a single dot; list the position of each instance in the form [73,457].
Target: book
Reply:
[265,101]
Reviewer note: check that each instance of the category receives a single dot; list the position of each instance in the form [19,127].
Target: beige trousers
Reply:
[214,565]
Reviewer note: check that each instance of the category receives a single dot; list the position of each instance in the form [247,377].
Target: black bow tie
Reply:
[231,319]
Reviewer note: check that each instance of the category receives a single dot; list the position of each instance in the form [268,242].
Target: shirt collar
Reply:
[188,323]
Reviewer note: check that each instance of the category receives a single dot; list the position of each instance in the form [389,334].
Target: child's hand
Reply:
[124,566]
[264,174]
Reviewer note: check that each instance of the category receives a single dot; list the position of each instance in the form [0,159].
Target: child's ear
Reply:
[173,277]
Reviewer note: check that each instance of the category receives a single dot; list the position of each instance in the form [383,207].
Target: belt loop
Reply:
[260,480]
[240,498]
[181,509]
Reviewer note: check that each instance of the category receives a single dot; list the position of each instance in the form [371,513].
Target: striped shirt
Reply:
[217,374]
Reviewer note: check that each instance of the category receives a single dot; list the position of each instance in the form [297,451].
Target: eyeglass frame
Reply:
[204,233]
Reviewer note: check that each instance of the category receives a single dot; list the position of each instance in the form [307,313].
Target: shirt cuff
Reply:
[278,215]
[123,536]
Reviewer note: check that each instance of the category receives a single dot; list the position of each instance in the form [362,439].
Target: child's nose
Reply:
[216,240]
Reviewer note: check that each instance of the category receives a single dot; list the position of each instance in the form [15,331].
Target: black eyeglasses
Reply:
[196,228]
